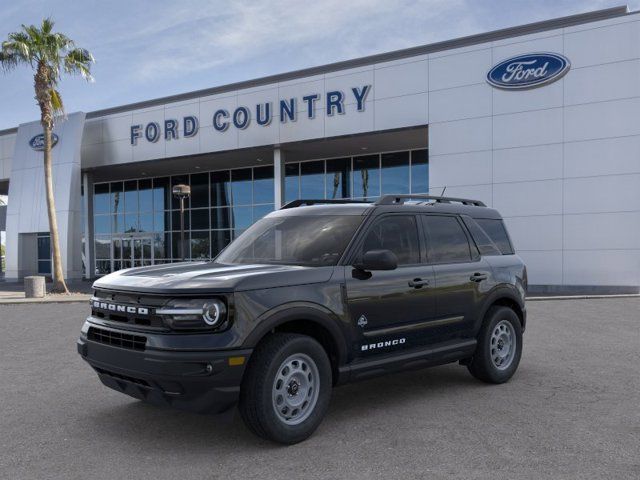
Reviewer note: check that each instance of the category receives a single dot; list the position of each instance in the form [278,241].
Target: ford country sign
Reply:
[528,71]
[37,142]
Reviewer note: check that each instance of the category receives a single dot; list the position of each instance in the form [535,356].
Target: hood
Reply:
[201,277]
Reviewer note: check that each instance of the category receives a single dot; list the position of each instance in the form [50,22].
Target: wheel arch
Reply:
[315,321]
[508,298]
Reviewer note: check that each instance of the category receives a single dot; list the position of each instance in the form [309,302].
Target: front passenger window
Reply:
[397,233]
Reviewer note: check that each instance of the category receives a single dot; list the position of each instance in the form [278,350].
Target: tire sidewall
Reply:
[273,424]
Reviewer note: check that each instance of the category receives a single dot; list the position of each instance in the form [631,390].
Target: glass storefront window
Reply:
[225,203]
[312,179]
[179,180]
[220,188]
[338,178]
[145,195]
[291,182]
[101,198]
[200,190]
[263,185]
[420,171]
[366,177]
[395,172]
[241,186]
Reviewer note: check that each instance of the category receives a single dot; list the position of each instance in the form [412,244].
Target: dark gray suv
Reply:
[314,295]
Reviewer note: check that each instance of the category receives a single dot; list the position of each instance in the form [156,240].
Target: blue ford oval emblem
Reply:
[528,71]
[37,142]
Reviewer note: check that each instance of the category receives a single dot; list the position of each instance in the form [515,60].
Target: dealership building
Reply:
[540,121]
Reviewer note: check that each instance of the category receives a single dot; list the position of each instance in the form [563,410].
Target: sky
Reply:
[148,49]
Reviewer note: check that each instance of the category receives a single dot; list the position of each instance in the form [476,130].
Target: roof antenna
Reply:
[442,194]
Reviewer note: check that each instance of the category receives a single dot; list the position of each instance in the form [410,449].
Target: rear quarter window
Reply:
[497,232]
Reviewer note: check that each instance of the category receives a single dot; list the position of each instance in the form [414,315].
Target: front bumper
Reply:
[198,381]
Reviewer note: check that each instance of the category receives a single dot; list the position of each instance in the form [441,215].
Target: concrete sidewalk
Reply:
[13,293]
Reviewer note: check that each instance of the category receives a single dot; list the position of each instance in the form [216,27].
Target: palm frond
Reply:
[78,61]
[56,102]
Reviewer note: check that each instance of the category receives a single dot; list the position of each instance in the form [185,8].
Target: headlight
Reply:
[194,314]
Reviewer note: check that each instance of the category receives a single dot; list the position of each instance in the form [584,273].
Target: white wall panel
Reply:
[471,168]
[460,69]
[402,79]
[528,128]
[117,127]
[602,231]
[476,192]
[513,101]
[603,45]
[601,120]
[302,129]
[397,112]
[92,132]
[543,267]
[459,103]
[460,136]
[602,157]
[212,140]
[612,193]
[550,41]
[345,83]
[602,267]
[599,83]
[547,228]
[528,198]
[540,162]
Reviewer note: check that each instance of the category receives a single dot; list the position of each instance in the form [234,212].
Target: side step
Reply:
[362,369]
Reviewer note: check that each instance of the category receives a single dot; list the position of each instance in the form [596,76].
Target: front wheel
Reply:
[286,390]
[499,346]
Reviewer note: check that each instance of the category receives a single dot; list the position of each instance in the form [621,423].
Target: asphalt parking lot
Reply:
[571,411]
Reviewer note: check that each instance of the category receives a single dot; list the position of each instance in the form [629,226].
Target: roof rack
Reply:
[400,199]
[301,202]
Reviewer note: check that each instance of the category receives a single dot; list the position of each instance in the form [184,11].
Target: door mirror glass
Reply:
[378,260]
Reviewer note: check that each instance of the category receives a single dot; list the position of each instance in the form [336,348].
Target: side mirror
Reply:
[378,260]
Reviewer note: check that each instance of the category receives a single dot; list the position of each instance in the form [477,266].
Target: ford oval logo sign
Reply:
[37,142]
[528,71]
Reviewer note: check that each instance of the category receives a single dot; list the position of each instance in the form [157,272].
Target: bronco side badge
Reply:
[362,321]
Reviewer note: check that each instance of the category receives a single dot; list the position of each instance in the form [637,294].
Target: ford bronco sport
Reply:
[314,295]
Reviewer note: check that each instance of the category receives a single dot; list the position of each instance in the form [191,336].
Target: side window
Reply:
[484,243]
[496,231]
[446,240]
[397,233]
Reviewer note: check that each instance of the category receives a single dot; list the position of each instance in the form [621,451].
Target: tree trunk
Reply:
[59,285]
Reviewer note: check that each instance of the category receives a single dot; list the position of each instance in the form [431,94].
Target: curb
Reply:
[581,297]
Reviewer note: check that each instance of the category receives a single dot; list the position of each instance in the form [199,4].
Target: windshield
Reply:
[315,240]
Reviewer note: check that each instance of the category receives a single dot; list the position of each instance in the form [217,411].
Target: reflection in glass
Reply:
[175,220]
[220,189]
[219,240]
[145,195]
[338,178]
[103,247]
[116,197]
[117,223]
[177,180]
[160,241]
[395,172]
[161,194]
[260,211]
[242,217]
[200,190]
[200,219]
[220,218]
[199,245]
[263,185]
[101,198]
[131,222]
[291,182]
[420,171]
[366,177]
[312,180]
[161,221]
[131,196]
[241,186]
[102,224]
[145,222]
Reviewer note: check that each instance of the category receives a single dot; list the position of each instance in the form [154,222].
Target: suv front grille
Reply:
[130,309]
[117,339]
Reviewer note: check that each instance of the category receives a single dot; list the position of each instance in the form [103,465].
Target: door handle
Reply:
[418,283]
[478,277]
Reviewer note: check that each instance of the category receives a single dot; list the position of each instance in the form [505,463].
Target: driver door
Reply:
[390,309]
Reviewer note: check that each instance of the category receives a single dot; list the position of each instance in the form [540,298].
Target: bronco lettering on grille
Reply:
[112,307]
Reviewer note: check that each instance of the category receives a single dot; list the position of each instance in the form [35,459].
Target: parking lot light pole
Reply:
[181,192]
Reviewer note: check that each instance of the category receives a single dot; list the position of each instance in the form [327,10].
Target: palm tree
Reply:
[49,54]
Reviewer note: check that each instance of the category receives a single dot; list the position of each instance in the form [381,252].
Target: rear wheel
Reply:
[286,390]
[499,346]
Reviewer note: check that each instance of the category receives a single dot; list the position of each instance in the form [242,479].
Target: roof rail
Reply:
[400,199]
[301,202]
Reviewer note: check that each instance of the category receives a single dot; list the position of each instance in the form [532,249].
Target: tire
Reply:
[499,346]
[288,375]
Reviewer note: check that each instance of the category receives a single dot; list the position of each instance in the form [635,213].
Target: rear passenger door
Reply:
[461,276]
